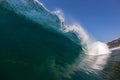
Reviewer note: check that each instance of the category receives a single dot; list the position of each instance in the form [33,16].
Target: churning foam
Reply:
[96,52]
[93,47]
[98,48]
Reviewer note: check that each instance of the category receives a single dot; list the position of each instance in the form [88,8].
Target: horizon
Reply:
[98,18]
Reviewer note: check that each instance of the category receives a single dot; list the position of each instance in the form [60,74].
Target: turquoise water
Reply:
[33,46]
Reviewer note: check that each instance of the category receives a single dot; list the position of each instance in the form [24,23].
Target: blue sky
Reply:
[101,18]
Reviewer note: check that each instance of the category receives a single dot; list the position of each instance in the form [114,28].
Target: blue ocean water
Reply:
[36,44]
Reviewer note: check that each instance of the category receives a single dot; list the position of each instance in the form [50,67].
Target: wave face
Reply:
[36,44]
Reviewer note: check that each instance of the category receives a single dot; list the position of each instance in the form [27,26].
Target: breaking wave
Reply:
[37,44]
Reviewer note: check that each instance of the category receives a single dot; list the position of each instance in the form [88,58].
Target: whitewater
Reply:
[38,44]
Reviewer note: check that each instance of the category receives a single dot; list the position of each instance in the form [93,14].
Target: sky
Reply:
[100,18]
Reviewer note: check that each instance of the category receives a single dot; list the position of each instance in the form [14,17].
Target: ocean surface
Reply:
[37,44]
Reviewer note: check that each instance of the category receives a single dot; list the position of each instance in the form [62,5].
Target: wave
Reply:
[38,44]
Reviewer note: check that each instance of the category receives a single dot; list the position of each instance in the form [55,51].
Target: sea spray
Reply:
[96,52]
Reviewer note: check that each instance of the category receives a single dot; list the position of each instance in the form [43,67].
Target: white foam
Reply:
[93,47]
[98,48]
[96,52]
[60,14]
[79,31]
